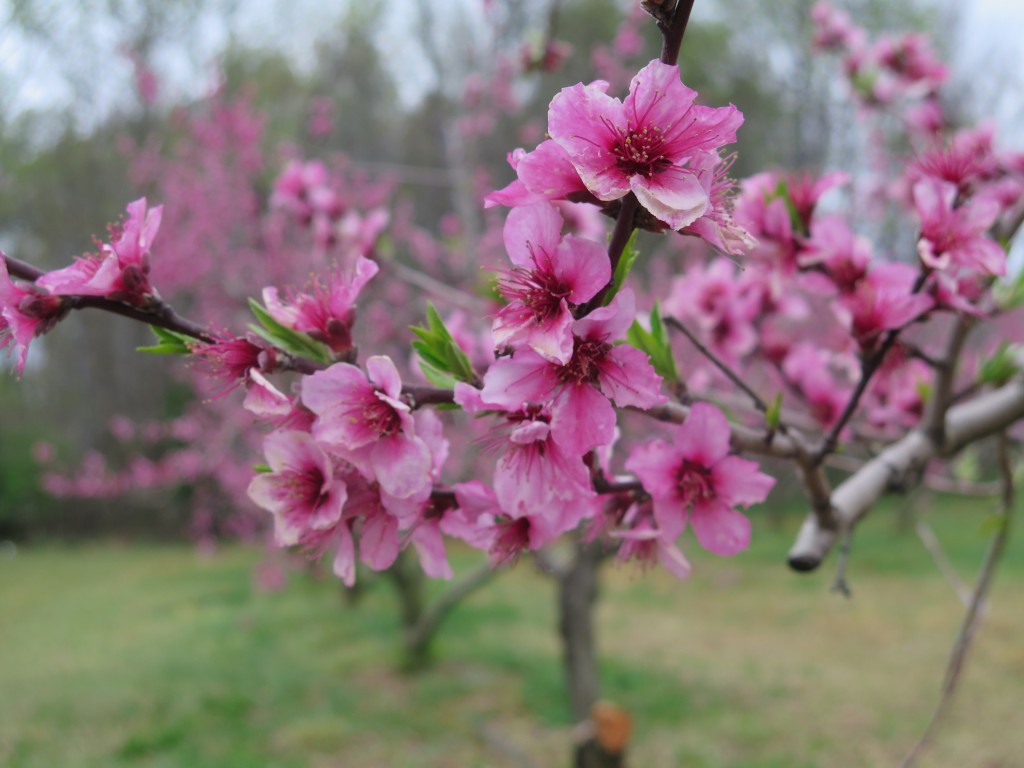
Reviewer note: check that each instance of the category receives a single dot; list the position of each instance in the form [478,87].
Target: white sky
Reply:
[988,40]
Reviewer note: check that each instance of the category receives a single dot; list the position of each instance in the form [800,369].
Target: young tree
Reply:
[819,349]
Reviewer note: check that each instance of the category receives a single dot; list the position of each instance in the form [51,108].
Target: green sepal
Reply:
[622,269]
[441,358]
[1001,367]
[293,342]
[171,343]
[656,344]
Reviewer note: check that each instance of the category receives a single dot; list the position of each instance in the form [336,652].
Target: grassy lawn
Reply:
[156,656]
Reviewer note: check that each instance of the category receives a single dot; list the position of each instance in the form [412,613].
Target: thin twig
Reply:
[760,404]
[869,366]
[840,584]
[934,546]
[974,611]
[453,296]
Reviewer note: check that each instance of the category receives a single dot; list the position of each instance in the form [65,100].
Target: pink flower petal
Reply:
[720,528]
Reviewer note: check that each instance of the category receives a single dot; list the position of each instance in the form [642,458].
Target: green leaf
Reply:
[1001,367]
[441,358]
[774,413]
[781,192]
[622,269]
[262,469]
[291,341]
[1010,294]
[656,344]
[171,343]
[992,524]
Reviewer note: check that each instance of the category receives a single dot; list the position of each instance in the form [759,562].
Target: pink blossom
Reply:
[695,479]
[326,313]
[714,300]
[507,532]
[578,392]
[808,368]
[230,360]
[833,28]
[121,269]
[762,212]
[646,144]
[534,471]
[641,540]
[954,235]
[366,420]
[25,313]
[717,227]
[546,173]
[302,491]
[550,275]
[841,255]
[883,301]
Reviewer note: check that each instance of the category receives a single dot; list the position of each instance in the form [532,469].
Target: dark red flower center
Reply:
[641,152]
[513,537]
[539,290]
[585,364]
[694,482]
[382,418]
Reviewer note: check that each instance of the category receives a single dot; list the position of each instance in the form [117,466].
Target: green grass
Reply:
[155,656]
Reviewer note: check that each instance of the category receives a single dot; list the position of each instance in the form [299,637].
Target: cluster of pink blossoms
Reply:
[956,191]
[355,466]
[657,144]
[118,271]
[890,69]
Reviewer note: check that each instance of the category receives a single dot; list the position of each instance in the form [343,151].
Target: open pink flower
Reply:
[549,275]
[955,235]
[882,301]
[230,360]
[578,392]
[546,173]
[507,533]
[25,313]
[643,542]
[326,313]
[121,269]
[369,424]
[302,491]
[645,144]
[696,479]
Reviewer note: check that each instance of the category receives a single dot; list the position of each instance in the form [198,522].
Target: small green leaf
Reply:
[1001,367]
[992,524]
[284,338]
[774,413]
[781,192]
[622,269]
[655,344]
[262,469]
[442,360]
[1010,294]
[171,343]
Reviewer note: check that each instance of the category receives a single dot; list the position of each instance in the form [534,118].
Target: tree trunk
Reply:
[577,595]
